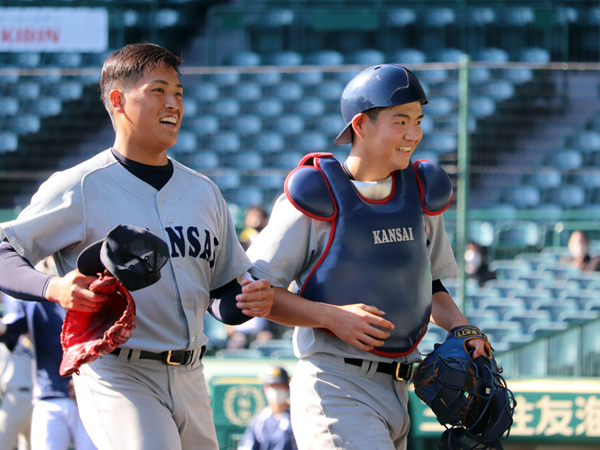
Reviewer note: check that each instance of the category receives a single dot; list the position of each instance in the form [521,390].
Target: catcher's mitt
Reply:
[87,335]
[469,397]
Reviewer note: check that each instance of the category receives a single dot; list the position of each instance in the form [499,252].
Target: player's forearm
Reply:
[292,310]
[445,313]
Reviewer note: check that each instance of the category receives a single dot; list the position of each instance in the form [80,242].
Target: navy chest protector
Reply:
[377,251]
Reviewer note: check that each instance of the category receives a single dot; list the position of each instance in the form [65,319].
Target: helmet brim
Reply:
[345,137]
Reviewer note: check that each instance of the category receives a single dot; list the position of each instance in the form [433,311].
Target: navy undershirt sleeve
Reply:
[223,305]
[13,331]
[437,286]
[19,278]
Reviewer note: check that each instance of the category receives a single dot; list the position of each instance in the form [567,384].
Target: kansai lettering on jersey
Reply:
[190,241]
[393,235]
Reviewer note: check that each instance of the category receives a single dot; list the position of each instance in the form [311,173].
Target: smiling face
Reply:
[386,143]
[148,115]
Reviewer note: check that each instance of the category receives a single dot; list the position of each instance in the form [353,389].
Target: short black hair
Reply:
[124,67]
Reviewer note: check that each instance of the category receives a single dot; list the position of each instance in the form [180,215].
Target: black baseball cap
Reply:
[132,254]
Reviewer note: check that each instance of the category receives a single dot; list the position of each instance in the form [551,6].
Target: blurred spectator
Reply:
[256,219]
[579,247]
[55,420]
[271,429]
[475,264]
[257,329]
[16,386]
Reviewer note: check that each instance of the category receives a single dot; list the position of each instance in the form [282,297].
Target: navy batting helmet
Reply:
[378,86]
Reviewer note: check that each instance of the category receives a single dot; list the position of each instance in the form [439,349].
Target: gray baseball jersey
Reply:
[77,207]
[292,243]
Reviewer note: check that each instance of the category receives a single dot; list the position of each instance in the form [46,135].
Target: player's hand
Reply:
[256,299]
[71,292]
[478,347]
[357,325]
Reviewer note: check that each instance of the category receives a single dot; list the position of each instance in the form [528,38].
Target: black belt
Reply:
[399,371]
[170,357]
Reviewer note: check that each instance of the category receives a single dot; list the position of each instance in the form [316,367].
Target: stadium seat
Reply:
[368,57]
[559,288]
[306,78]
[25,90]
[504,287]
[243,58]
[436,17]
[528,317]
[308,107]
[23,60]
[286,160]
[201,160]
[433,75]
[245,124]
[249,160]
[190,106]
[266,107]
[480,17]
[556,307]
[545,178]
[42,106]
[439,143]
[502,306]
[528,295]
[498,331]
[516,16]
[9,106]
[400,17]
[534,55]
[167,18]
[24,123]
[482,106]
[64,60]
[225,79]
[482,317]
[324,58]
[588,178]
[201,125]
[266,142]
[440,106]
[330,124]
[518,76]
[246,196]
[567,196]
[268,181]
[535,278]
[203,92]
[227,179]
[542,329]
[328,90]
[585,299]
[9,142]
[406,56]
[509,268]
[310,142]
[522,196]
[186,142]
[264,78]
[479,295]
[491,54]
[445,55]
[283,58]
[498,90]
[223,142]
[287,124]
[286,91]
[245,91]
[587,142]
[225,107]
[585,280]
[565,159]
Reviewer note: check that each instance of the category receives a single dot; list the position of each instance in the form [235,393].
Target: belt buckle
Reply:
[403,377]
[168,360]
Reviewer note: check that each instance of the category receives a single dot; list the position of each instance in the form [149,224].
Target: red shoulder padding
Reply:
[435,187]
[307,189]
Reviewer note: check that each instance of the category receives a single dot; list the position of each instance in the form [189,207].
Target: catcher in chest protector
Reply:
[111,223]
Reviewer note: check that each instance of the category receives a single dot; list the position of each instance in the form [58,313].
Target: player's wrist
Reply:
[2,328]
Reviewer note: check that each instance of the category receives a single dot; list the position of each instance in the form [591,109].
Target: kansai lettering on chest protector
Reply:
[377,251]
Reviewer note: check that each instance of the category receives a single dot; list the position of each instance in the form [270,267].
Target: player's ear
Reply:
[358,124]
[117,99]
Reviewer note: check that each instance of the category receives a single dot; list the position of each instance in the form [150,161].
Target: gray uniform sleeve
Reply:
[441,254]
[53,220]
[286,245]
[231,261]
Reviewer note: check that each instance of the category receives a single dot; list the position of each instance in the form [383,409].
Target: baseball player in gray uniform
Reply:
[365,241]
[151,393]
